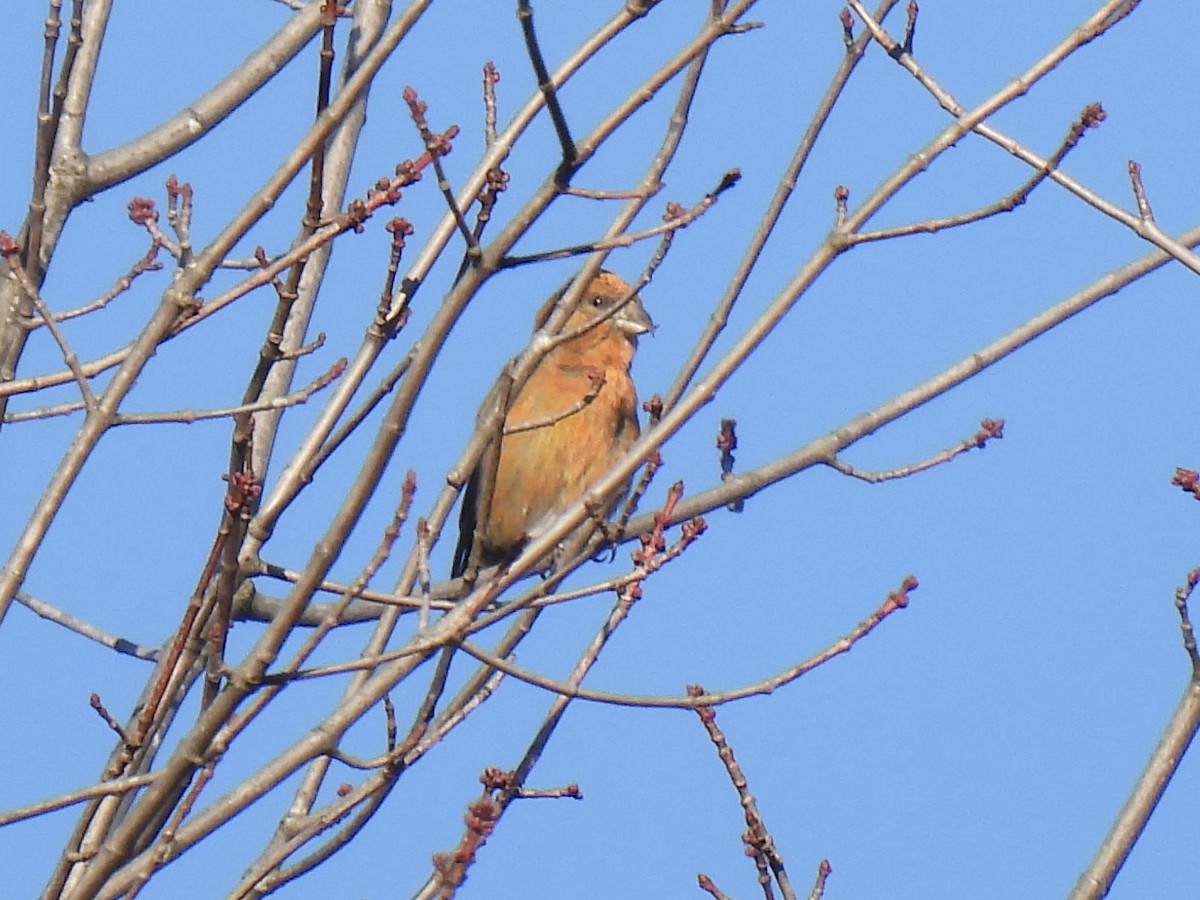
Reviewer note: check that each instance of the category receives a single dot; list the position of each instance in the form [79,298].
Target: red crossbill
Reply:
[574,417]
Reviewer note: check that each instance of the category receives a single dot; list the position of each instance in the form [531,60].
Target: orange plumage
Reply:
[574,417]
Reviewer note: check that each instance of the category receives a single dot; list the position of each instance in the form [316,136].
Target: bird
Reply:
[569,423]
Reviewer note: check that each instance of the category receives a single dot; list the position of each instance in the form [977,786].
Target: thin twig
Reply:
[437,146]
[824,870]
[46,412]
[103,789]
[11,251]
[990,429]
[188,417]
[491,77]
[771,216]
[760,845]
[545,84]
[675,219]
[1139,191]
[91,632]
[1091,117]
[147,263]
[1182,594]
[895,601]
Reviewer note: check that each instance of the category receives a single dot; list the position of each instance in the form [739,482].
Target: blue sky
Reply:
[976,745]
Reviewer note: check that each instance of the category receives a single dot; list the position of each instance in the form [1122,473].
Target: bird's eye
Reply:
[597,301]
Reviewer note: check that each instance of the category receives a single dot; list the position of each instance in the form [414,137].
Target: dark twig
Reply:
[401,230]
[389,714]
[496,184]
[675,218]
[631,503]
[910,26]
[569,153]
[841,196]
[288,290]
[847,21]
[727,443]
[241,497]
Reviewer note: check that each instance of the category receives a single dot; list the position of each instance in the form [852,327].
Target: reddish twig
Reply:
[98,705]
[760,845]
[480,821]
[1188,480]
[990,429]
[707,884]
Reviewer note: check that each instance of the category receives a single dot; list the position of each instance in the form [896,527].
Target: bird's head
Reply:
[606,292]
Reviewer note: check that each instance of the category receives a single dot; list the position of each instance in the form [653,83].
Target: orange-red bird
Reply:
[574,417]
